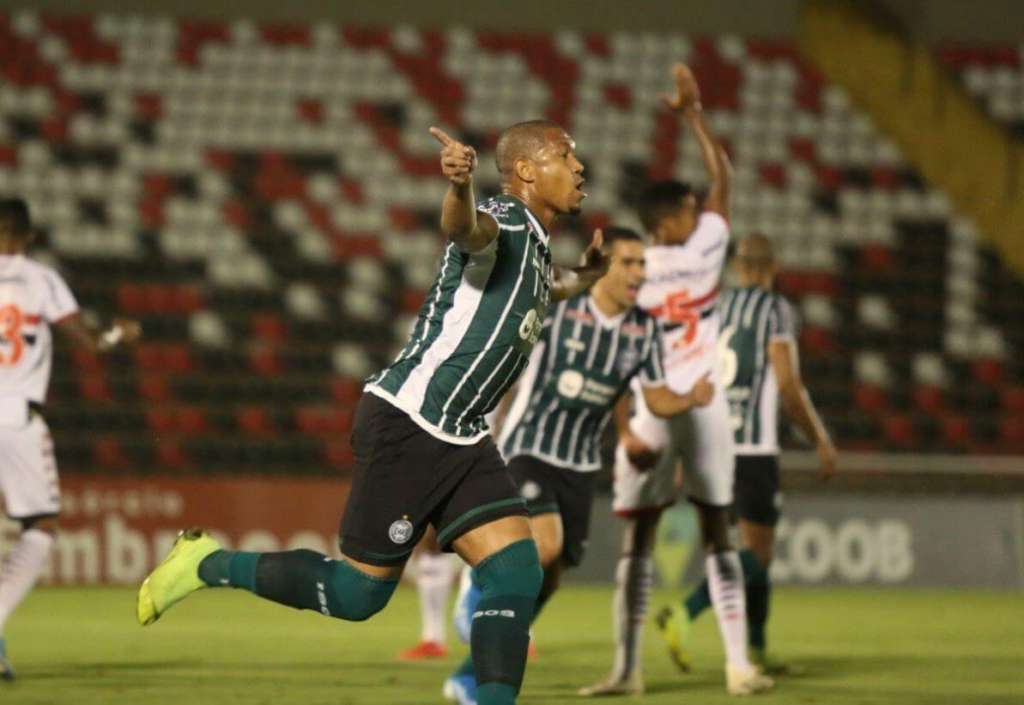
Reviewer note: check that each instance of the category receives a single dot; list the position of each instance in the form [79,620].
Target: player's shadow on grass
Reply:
[66,670]
[826,667]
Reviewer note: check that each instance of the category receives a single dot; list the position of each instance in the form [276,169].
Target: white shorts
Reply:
[28,470]
[702,439]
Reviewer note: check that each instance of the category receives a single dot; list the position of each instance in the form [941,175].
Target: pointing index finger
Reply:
[441,136]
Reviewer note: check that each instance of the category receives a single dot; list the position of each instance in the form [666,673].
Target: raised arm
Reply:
[686,102]
[460,222]
[569,281]
[785,361]
[123,331]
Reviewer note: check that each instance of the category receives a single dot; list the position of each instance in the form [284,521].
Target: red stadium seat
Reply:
[264,361]
[269,327]
[155,388]
[988,371]
[171,455]
[346,391]
[899,431]
[109,455]
[870,398]
[338,453]
[255,421]
[1011,434]
[1013,400]
[930,399]
[956,431]
[95,389]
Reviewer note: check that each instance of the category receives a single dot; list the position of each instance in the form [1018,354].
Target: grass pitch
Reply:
[224,647]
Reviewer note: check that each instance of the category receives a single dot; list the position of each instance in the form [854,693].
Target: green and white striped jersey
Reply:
[581,365]
[475,330]
[751,318]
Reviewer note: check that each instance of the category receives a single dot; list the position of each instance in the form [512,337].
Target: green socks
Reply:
[301,579]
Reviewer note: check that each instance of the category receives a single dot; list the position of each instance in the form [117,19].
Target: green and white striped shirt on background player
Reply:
[475,330]
[581,365]
[752,317]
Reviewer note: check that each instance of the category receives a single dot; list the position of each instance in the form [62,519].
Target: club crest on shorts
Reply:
[400,531]
[530,490]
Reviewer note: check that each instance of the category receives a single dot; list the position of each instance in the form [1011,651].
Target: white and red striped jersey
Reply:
[32,296]
[682,289]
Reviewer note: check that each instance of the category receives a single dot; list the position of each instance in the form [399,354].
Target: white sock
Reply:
[21,569]
[434,582]
[633,578]
[725,580]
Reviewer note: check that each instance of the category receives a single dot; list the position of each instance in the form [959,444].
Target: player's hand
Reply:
[828,459]
[703,391]
[457,160]
[131,330]
[687,95]
[594,261]
[639,453]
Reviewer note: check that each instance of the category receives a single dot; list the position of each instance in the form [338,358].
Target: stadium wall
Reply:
[854,540]
[115,529]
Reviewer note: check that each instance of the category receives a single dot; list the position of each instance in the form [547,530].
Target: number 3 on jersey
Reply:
[11,321]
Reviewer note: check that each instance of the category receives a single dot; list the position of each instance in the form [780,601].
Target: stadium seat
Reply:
[275,227]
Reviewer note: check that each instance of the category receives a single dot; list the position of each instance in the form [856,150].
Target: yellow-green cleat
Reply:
[176,577]
[674,626]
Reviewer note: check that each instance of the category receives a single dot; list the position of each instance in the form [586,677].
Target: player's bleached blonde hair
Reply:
[755,253]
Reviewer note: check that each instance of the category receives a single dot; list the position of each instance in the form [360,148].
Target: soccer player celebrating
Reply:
[760,362]
[683,271]
[590,347]
[423,454]
[32,298]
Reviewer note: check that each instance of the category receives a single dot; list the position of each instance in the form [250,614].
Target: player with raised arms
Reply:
[683,271]
[760,365]
[423,453]
[33,297]
[590,347]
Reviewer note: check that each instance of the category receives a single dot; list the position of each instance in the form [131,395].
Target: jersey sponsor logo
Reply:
[400,531]
[573,384]
[575,344]
[496,208]
[531,326]
[570,384]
